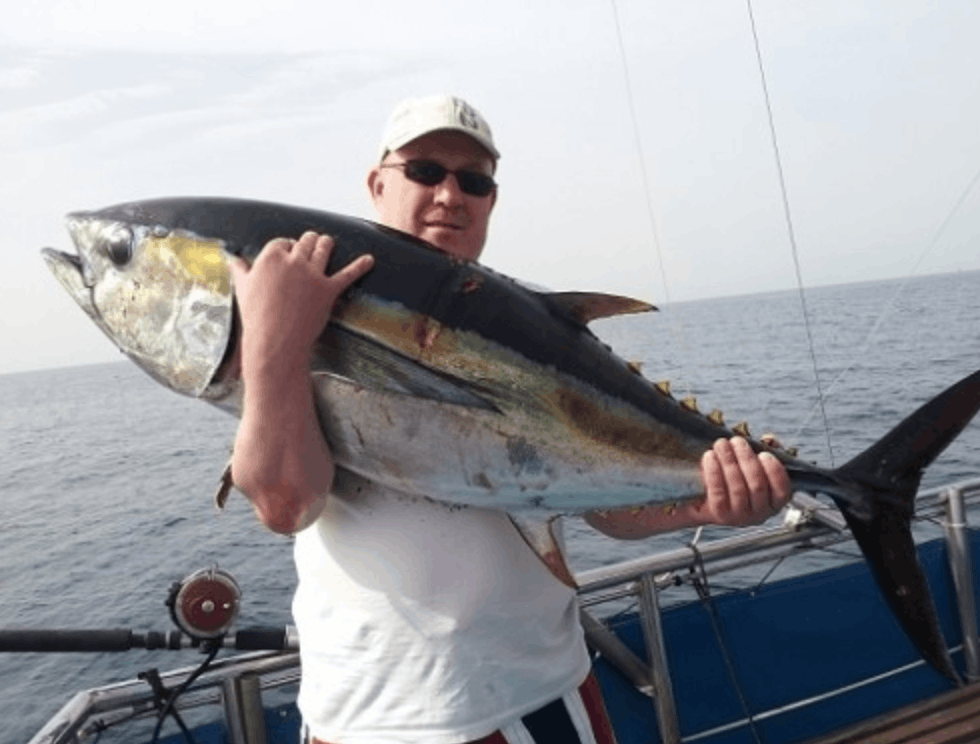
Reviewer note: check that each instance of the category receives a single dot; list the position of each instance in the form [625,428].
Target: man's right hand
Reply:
[285,299]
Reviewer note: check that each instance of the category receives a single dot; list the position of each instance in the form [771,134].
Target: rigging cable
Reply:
[700,583]
[167,706]
[699,580]
[789,227]
[639,147]
[674,322]
[899,291]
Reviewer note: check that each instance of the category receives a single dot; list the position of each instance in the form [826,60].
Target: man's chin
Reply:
[443,237]
[455,242]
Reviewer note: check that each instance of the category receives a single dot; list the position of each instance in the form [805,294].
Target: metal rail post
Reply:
[243,709]
[602,639]
[663,701]
[960,563]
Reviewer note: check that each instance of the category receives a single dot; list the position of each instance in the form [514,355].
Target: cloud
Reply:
[18,78]
[129,96]
[287,26]
[79,108]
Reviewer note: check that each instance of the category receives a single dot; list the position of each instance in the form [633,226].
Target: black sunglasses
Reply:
[429,173]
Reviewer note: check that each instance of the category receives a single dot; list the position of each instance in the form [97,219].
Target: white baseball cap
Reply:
[416,117]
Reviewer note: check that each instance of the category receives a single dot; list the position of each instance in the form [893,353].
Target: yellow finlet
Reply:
[742,429]
[769,439]
[690,404]
[716,417]
[663,387]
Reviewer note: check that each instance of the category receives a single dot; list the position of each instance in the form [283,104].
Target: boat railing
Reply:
[237,683]
[807,524]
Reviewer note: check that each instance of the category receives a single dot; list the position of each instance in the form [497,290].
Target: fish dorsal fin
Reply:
[588,306]
[540,536]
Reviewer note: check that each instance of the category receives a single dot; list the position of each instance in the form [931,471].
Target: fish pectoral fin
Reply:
[364,361]
[584,307]
[542,539]
[225,484]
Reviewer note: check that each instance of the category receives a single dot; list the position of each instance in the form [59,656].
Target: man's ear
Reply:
[375,184]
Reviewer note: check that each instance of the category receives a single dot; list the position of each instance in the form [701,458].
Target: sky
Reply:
[648,172]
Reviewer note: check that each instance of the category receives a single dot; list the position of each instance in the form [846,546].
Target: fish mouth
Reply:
[69,270]
[55,256]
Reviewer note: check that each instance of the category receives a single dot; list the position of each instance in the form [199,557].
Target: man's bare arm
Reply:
[741,488]
[281,460]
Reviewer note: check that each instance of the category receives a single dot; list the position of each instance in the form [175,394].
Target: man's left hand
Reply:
[741,489]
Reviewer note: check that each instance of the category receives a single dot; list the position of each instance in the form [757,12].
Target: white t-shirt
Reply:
[426,623]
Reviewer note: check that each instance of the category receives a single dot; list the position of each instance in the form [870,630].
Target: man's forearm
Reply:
[281,460]
[634,524]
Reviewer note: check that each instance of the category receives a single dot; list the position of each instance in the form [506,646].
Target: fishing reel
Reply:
[205,604]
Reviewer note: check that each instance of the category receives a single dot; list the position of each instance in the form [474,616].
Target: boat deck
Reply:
[949,718]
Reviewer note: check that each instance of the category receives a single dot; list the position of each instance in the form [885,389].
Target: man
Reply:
[419,622]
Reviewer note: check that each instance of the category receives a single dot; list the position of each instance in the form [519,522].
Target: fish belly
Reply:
[508,459]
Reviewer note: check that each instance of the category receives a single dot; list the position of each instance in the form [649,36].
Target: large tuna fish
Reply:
[440,378]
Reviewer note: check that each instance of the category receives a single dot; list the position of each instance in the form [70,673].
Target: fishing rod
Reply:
[203,606]
[29,640]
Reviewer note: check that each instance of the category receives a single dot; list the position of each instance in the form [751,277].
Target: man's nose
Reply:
[448,191]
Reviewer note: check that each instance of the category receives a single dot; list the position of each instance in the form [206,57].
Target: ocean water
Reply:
[107,478]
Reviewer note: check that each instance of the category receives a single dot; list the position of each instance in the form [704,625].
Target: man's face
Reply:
[442,214]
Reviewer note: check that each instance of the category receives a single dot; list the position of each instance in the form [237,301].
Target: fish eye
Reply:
[119,246]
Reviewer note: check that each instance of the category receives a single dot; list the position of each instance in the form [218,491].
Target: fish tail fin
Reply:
[887,476]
